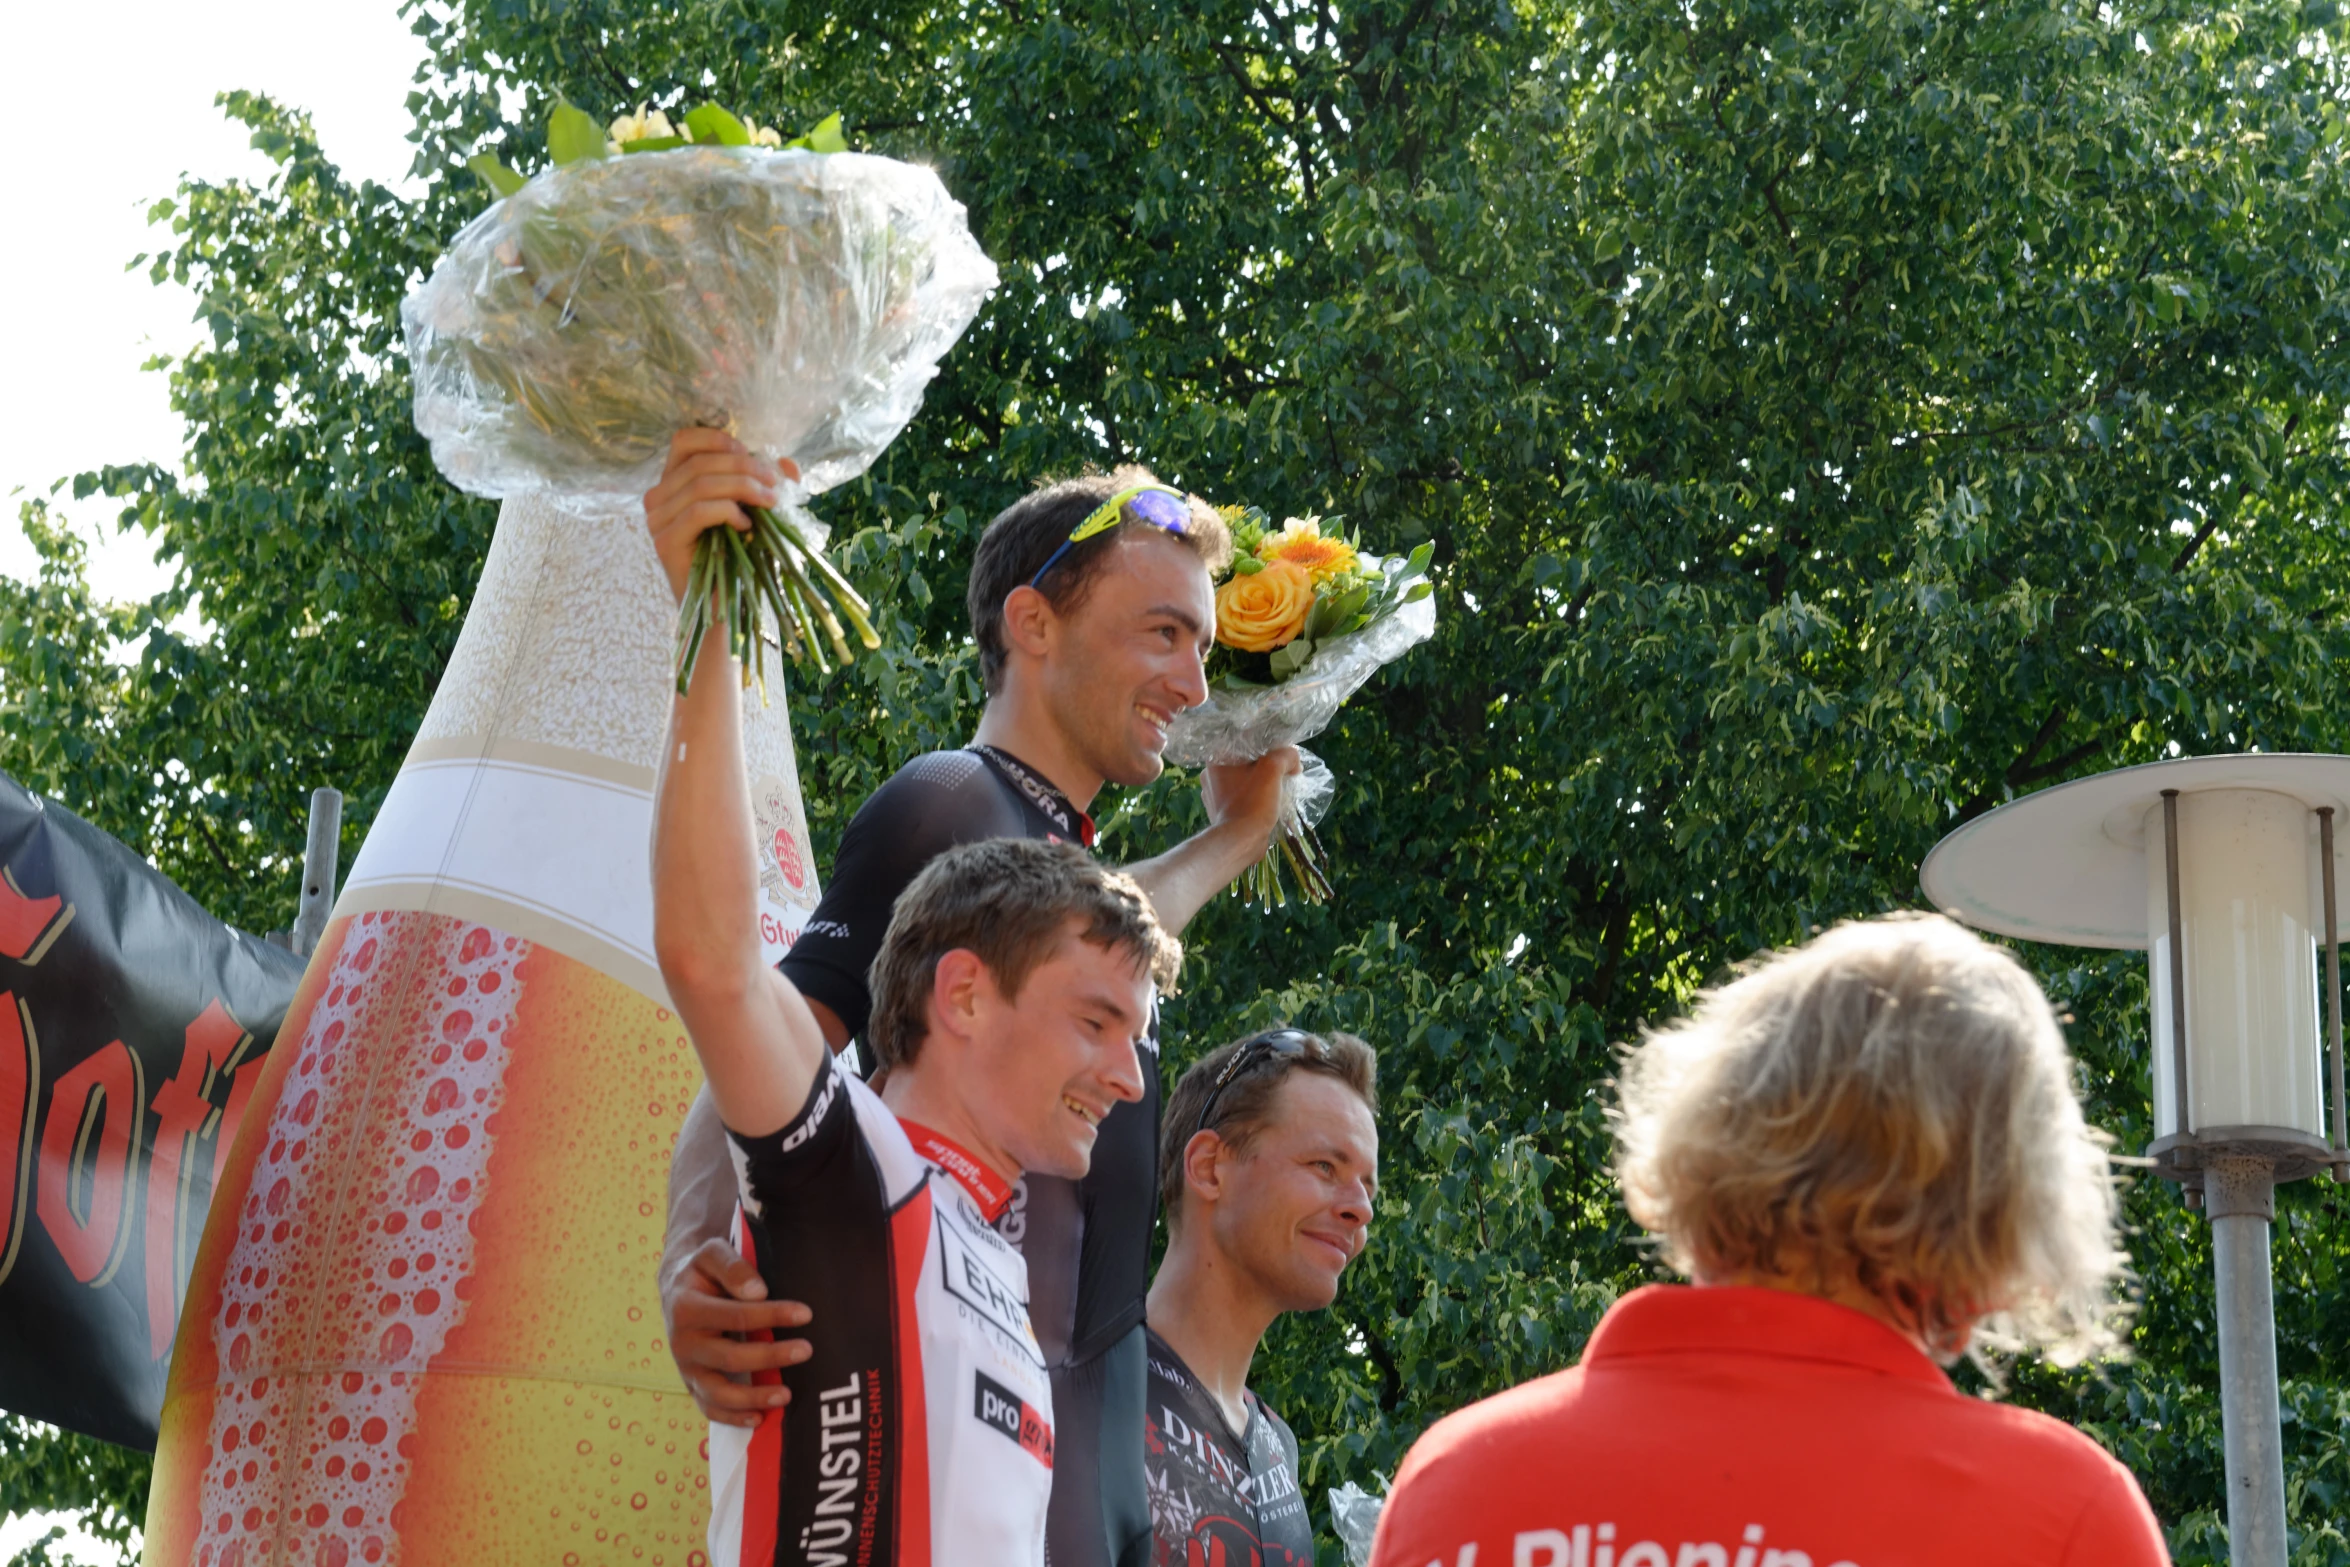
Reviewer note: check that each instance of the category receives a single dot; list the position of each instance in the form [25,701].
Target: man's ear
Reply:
[1031,624]
[1204,1158]
[956,986]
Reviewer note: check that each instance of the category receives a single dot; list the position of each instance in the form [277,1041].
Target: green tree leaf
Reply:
[572,136]
[709,123]
[502,180]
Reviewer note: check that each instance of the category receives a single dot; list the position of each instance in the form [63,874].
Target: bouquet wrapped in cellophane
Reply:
[666,276]
[1305,618]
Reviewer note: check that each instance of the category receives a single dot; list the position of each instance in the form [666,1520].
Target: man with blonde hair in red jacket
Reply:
[1869,1156]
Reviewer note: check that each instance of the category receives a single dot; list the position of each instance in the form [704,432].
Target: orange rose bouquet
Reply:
[1305,618]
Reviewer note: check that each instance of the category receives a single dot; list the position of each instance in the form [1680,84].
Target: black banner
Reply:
[132,1030]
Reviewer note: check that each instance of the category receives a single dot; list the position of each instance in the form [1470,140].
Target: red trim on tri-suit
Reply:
[909,1242]
[764,1465]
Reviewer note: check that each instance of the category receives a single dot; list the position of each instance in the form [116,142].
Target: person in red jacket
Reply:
[1868,1155]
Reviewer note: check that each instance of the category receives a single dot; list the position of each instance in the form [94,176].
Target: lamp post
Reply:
[2225,869]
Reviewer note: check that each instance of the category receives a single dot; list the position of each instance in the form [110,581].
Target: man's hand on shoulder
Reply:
[713,1299]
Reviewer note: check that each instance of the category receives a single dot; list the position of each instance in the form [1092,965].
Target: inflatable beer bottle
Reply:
[423,1325]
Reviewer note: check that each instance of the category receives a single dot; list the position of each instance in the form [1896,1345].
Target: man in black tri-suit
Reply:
[1268,1168]
[1091,605]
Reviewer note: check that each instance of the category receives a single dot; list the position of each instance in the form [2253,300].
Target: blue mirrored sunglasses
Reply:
[1155,504]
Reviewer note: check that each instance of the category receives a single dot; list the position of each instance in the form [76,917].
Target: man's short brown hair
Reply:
[1245,1106]
[1024,535]
[1007,901]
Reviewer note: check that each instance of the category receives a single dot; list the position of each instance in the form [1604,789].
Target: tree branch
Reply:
[2195,545]
[2060,764]
[2027,769]
[204,830]
[1263,97]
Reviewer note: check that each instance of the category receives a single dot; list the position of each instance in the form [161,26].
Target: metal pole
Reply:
[318,869]
[2178,964]
[2240,1196]
[2325,846]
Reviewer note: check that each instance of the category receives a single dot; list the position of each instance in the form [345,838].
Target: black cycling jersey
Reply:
[1087,1243]
[934,803]
[1220,1499]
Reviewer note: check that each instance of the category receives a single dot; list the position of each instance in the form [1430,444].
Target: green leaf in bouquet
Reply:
[654,144]
[710,123]
[1418,591]
[1246,565]
[1287,660]
[1337,612]
[495,175]
[572,136]
[823,136]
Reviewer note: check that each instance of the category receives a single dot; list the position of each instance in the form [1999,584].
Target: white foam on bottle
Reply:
[397,1075]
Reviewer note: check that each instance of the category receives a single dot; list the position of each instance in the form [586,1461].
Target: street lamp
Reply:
[2225,869]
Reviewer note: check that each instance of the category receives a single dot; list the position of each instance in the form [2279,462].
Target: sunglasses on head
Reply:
[1279,1044]
[1154,504]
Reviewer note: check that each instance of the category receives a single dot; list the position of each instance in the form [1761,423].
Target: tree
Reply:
[1832,419]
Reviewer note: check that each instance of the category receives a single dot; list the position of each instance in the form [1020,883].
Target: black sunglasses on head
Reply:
[1277,1044]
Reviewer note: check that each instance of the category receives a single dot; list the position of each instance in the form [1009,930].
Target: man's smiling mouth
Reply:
[1345,1253]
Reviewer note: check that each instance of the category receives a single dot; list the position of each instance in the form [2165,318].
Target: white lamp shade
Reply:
[2083,864]
[2249,917]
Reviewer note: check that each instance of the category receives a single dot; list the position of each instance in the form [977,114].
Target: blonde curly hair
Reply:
[1887,1109]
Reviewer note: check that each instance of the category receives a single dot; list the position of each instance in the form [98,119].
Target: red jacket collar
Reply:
[1666,1319]
[989,1190]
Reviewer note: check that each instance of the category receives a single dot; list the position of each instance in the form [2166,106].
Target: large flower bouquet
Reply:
[656,276]
[1305,618]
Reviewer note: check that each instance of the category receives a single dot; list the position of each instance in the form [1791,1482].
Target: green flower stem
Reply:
[1300,848]
[851,602]
[769,572]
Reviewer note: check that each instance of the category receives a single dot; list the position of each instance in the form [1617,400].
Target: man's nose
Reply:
[1354,1203]
[1191,677]
[1123,1075]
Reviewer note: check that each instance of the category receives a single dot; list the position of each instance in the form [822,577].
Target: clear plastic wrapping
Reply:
[1240,726]
[799,300]
[1354,1517]
[1307,793]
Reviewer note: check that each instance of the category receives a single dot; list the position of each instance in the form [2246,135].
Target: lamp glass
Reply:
[2247,905]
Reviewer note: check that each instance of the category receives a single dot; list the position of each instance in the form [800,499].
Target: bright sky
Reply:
[113,105]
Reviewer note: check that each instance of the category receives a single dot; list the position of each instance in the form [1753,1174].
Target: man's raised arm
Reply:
[1244,803]
[759,1044]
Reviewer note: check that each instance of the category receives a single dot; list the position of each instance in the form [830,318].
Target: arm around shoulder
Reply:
[701,1185]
